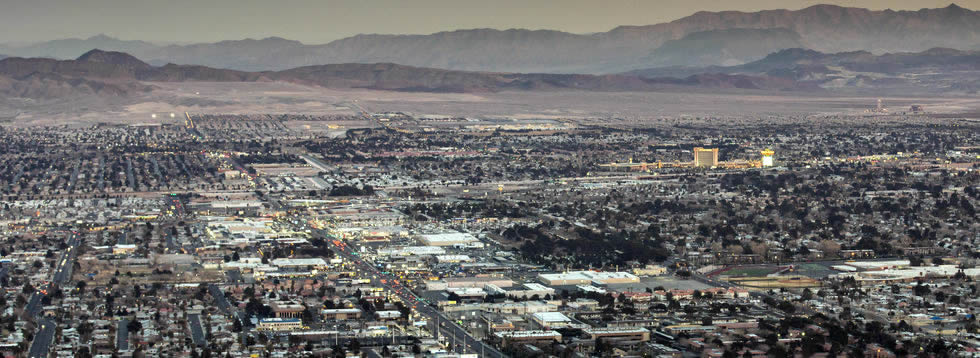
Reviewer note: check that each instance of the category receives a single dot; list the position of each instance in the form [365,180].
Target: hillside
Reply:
[712,38]
[120,74]
[933,70]
[725,47]
[74,47]
[109,73]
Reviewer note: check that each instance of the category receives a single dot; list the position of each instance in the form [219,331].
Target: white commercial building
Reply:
[525,290]
[453,258]
[308,263]
[551,320]
[447,239]
[587,277]
[412,251]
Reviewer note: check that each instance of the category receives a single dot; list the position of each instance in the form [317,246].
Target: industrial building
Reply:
[525,290]
[300,264]
[551,320]
[586,277]
[628,334]
[454,259]
[468,282]
[447,239]
[529,337]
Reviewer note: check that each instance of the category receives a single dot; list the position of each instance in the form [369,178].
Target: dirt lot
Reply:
[613,108]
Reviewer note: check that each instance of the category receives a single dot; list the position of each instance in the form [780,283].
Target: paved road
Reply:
[64,266]
[43,339]
[74,177]
[122,335]
[369,342]
[20,173]
[171,244]
[177,205]
[130,177]
[161,180]
[100,175]
[197,330]
[370,353]
[316,163]
[62,273]
[220,299]
[33,307]
[459,338]
[45,336]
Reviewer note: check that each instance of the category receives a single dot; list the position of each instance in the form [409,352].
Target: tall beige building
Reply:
[705,157]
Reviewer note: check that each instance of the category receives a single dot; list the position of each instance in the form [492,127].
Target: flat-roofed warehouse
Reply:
[300,263]
[447,239]
[453,258]
[529,337]
[586,277]
[551,320]
[639,334]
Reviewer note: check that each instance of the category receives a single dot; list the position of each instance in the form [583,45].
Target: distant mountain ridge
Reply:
[724,47]
[120,74]
[933,70]
[74,47]
[108,73]
[734,37]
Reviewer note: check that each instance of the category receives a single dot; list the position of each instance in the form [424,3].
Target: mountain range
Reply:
[702,39]
[118,74]
[937,70]
[110,73]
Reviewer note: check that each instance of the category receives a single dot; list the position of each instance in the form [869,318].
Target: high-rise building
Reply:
[705,157]
[767,158]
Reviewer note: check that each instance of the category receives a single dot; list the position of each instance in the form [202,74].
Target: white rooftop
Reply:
[551,317]
[300,262]
[447,238]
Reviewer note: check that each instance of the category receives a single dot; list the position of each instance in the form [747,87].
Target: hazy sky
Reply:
[319,21]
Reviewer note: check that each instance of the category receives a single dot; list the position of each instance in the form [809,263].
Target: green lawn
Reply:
[749,271]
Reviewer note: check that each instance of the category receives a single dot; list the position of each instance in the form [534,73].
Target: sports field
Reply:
[749,271]
[776,282]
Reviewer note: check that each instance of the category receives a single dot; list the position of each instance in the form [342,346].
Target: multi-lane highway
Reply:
[33,307]
[461,341]
[62,274]
[220,299]
[43,339]
[197,330]
[64,266]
